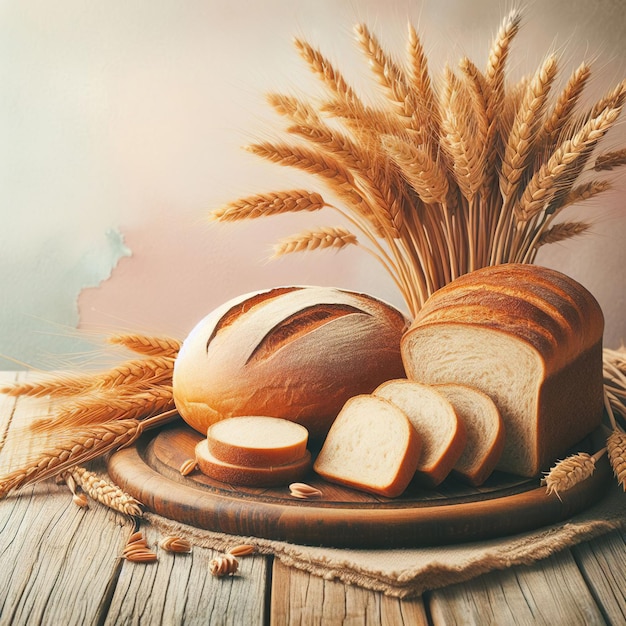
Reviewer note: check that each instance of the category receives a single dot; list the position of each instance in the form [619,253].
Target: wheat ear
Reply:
[267,204]
[422,86]
[548,180]
[609,160]
[616,445]
[571,471]
[147,344]
[565,104]
[330,237]
[139,372]
[104,491]
[562,231]
[526,124]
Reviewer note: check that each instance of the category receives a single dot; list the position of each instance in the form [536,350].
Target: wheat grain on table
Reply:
[59,564]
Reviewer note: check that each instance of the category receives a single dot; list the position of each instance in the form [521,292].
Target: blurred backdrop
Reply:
[122,126]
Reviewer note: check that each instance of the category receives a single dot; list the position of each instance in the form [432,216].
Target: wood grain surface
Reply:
[342,517]
[60,565]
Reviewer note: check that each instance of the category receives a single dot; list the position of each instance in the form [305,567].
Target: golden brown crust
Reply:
[546,309]
[319,347]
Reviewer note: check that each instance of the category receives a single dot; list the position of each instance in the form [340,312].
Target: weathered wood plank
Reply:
[602,564]
[179,589]
[549,592]
[56,560]
[298,598]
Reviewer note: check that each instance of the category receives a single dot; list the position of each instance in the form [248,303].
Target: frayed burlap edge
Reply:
[411,572]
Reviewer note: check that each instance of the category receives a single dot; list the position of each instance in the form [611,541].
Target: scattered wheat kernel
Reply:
[243,549]
[141,556]
[224,565]
[80,500]
[175,544]
[304,491]
[188,466]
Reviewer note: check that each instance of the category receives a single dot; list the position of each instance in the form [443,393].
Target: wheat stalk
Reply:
[450,175]
[77,446]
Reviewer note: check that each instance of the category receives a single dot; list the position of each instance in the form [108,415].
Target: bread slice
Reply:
[270,476]
[531,339]
[257,441]
[485,432]
[435,420]
[371,446]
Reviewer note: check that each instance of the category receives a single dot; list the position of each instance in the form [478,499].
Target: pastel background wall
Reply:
[121,126]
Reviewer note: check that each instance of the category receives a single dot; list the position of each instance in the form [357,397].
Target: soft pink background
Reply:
[124,124]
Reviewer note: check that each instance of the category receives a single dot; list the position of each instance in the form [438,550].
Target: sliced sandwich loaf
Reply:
[528,337]
[435,420]
[371,446]
[484,429]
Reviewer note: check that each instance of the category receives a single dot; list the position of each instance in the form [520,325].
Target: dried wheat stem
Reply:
[104,491]
[616,446]
[267,204]
[329,237]
[149,345]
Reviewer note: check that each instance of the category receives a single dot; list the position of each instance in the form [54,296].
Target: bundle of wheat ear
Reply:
[446,177]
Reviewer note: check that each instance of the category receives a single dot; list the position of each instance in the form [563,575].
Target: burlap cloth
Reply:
[410,572]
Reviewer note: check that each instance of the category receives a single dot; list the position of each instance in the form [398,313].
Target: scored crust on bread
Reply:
[371,446]
[484,429]
[249,476]
[531,339]
[442,434]
[292,352]
[257,440]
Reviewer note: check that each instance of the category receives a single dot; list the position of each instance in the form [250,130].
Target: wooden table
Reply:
[60,565]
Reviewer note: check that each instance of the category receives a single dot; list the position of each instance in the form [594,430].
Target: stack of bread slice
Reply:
[407,431]
[255,451]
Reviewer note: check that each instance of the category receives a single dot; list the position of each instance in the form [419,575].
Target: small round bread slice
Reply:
[436,422]
[257,441]
[371,446]
[484,428]
[271,476]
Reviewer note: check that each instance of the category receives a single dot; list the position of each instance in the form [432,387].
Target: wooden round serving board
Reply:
[342,517]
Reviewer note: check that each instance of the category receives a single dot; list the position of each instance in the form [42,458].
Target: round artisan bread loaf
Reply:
[249,476]
[531,339]
[297,353]
[257,441]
